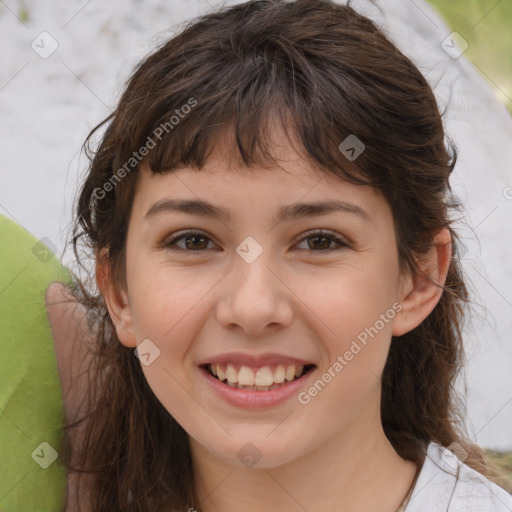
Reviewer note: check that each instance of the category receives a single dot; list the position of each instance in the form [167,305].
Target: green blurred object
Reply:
[504,461]
[31,407]
[486,25]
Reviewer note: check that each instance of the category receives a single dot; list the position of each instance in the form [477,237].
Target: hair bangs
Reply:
[252,100]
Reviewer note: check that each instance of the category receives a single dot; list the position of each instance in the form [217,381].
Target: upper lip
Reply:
[255,360]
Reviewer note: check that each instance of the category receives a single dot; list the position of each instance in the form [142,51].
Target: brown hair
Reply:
[324,72]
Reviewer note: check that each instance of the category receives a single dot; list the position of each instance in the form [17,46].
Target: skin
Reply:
[72,341]
[294,299]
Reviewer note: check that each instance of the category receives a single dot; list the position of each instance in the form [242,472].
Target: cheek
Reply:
[167,306]
[355,309]
[357,313]
[162,297]
[351,300]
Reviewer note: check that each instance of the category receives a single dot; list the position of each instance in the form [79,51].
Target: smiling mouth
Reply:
[264,378]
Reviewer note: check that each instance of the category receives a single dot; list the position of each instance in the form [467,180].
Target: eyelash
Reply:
[170,244]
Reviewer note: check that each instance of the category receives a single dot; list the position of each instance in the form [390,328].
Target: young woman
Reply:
[278,322]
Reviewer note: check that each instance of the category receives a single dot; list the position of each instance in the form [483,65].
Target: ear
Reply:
[419,295]
[116,300]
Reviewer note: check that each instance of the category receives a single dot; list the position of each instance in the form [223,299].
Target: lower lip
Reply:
[255,399]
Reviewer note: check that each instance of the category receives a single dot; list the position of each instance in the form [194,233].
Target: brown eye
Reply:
[196,241]
[320,241]
[193,241]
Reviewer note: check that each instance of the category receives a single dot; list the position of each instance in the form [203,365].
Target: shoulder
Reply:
[74,343]
[445,483]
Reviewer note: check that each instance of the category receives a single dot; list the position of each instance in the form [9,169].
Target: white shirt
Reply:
[447,485]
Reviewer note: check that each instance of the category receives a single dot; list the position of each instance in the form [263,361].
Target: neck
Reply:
[356,470]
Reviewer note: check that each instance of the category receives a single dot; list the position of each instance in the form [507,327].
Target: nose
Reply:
[255,298]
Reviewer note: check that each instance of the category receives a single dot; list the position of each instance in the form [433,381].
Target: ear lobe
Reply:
[116,300]
[421,293]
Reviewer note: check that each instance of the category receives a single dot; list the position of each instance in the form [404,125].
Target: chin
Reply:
[258,453]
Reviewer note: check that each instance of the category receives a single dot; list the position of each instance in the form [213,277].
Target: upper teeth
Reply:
[264,376]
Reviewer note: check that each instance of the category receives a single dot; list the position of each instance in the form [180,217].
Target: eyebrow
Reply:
[292,211]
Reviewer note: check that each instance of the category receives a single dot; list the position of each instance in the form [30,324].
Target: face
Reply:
[258,298]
